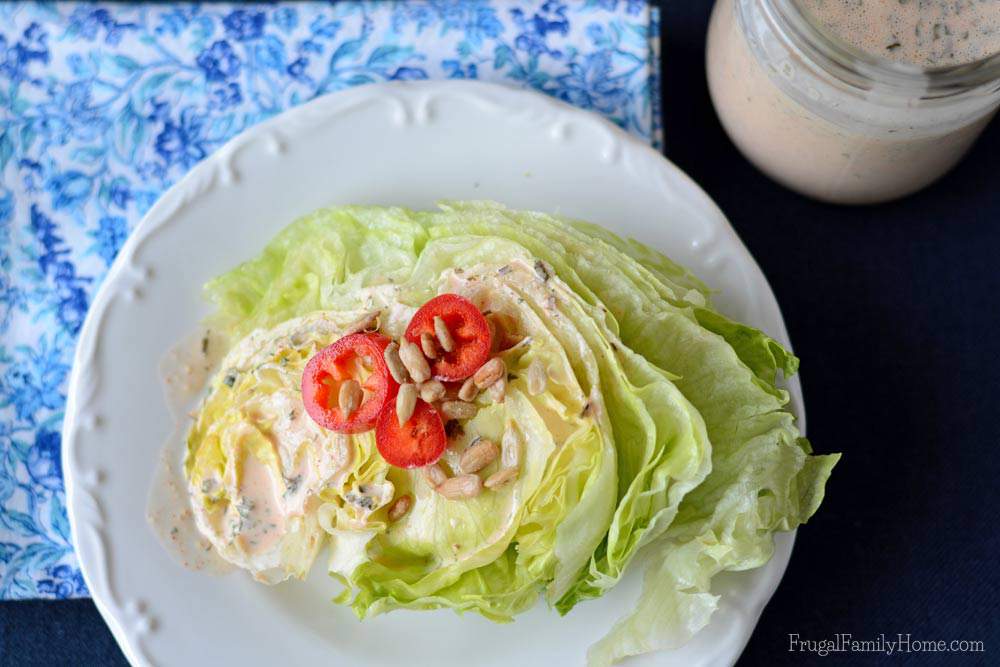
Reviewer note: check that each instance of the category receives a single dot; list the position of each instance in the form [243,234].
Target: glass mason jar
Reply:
[833,122]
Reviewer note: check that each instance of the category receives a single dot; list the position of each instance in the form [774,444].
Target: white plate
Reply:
[408,144]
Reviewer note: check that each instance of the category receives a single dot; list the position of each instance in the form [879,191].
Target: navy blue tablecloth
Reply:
[895,312]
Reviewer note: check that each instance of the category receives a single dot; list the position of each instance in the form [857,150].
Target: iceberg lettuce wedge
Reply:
[663,426]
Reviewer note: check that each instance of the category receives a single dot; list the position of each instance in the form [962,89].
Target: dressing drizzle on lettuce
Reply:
[662,427]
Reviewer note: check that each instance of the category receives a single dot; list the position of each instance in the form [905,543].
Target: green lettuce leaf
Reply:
[762,478]
[662,447]
[685,446]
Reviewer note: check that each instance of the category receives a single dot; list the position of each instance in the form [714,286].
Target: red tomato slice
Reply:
[468,328]
[335,364]
[417,443]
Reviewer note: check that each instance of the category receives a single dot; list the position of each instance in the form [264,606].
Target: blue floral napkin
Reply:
[104,106]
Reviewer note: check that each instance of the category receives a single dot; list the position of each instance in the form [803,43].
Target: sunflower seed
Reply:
[490,372]
[428,346]
[480,454]
[400,507]
[537,378]
[431,391]
[414,361]
[498,390]
[463,486]
[501,477]
[443,335]
[458,410]
[406,402]
[395,364]
[469,390]
[511,444]
[434,475]
[350,397]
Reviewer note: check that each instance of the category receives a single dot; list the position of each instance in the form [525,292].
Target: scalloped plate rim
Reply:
[176,197]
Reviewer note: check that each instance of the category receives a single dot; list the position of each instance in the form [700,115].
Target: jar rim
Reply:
[860,68]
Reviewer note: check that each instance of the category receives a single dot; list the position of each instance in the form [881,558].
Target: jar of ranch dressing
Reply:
[854,101]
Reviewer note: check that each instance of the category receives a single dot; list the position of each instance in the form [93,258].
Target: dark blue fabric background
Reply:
[895,312]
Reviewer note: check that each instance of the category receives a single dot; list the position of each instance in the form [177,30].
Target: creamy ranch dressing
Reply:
[259,516]
[927,33]
[279,459]
[265,516]
[184,371]
[266,507]
[186,367]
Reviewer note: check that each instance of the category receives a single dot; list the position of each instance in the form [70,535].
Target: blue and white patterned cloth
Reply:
[104,106]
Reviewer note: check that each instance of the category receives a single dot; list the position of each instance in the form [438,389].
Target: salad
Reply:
[476,407]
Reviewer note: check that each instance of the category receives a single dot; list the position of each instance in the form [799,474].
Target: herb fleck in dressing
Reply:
[928,33]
